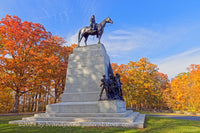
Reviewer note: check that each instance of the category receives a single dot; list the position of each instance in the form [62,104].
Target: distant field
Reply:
[153,125]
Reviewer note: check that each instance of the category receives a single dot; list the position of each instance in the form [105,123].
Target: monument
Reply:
[89,98]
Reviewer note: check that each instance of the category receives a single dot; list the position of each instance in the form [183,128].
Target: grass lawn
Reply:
[153,125]
[157,113]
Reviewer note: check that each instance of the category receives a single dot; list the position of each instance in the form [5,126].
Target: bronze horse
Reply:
[86,31]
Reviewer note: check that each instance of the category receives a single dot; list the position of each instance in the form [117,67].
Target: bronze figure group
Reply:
[112,87]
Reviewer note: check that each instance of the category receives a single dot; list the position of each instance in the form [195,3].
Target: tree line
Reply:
[33,65]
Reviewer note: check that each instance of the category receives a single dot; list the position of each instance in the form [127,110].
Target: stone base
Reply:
[111,106]
[128,119]
[105,113]
[104,106]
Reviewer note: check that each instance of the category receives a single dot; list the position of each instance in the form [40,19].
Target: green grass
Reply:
[157,113]
[153,125]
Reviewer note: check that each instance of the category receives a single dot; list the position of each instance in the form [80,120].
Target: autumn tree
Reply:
[33,61]
[21,41]
[54,64]
[185,90]
[142,84]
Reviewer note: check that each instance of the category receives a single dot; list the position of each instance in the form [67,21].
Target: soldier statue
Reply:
[104,86]
[118,86]
[111,87]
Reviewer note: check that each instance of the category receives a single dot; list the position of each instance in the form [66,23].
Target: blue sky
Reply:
[167,32]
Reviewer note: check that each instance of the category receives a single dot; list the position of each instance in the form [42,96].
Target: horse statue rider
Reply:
[93,29]
[92,23]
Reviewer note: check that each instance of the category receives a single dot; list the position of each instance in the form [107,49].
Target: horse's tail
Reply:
[79,34]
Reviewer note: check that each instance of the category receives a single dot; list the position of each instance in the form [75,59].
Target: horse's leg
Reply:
[79,41]
[86,37]
[99,36]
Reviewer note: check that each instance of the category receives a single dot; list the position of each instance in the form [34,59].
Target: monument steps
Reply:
[140,118]
[137,123]
[82,124]
[128,119]
[123,114]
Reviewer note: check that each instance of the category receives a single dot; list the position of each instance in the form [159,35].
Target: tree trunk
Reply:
[37,107]
[24,104]
[56,94]
[29,103]
[33,103]
[36,102]
[16,102]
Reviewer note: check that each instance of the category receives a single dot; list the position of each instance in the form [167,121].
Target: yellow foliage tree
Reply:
[185,89]
[143,85]
[6,100]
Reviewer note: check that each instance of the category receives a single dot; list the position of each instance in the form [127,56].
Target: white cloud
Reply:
[176,64]
[72,39]
[47,14]
[141,38]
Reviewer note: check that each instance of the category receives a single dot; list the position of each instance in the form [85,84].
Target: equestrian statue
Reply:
[94,29]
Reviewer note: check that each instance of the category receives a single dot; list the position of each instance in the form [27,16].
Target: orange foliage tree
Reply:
[143,85]
[33,61]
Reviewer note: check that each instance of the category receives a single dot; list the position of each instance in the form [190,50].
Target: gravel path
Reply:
[195,118]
